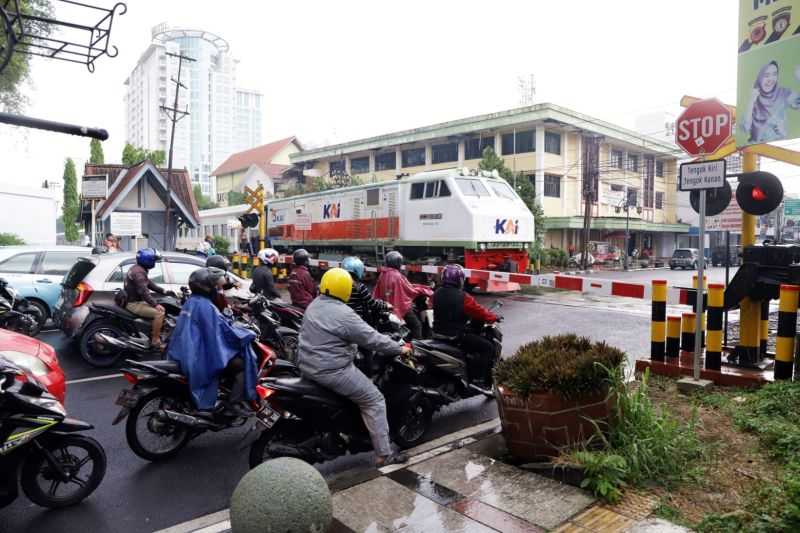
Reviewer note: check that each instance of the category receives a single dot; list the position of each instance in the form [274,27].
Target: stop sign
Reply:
[703,127]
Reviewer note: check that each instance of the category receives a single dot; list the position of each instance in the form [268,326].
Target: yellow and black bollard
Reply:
[763,329]
[673,339]
[787,328]
[716,303]
[658,330]
[687,339]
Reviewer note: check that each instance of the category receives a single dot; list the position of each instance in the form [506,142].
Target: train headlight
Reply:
[482,246]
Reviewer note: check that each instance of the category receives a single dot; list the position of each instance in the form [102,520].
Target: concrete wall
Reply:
[28,213]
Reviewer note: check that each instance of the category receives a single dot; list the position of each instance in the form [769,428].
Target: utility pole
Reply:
[174,114]
[590,174]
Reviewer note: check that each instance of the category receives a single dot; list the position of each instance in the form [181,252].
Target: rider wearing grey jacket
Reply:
[329,337]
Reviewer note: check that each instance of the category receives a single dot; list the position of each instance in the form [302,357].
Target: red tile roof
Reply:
[181,184]
[260,155]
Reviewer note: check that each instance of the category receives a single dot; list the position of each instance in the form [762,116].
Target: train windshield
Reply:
[502,190]
[471,187]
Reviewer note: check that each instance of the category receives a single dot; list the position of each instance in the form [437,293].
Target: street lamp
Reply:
[625,204]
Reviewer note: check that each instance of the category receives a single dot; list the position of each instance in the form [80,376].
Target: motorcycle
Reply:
[444,367]
[309,422]
[282,339]
[159,406]
[17,314]
[289,315]
[113,332]
[41,449]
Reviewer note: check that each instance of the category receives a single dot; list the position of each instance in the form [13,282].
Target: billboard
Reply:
[729,220]
[768,81]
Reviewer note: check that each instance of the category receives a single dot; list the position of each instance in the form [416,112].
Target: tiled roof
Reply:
[261,156]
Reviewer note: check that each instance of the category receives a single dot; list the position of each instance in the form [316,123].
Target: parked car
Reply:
[684,258]
[36,358]
[718,256]
[36,272]
[95,279]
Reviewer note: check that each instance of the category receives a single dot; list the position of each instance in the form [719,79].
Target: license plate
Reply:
[268,416]
[128,398]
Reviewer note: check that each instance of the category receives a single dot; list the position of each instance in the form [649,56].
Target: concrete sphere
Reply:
[284,495]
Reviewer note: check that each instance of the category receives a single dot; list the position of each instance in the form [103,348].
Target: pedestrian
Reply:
[111,243]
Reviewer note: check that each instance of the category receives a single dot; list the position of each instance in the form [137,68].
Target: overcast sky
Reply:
[333,71]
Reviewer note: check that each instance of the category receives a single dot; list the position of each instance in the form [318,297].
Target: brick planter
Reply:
[544,423]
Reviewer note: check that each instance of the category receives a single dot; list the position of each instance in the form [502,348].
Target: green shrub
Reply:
[221,245]
[564,364]
[10,239]
[604,474]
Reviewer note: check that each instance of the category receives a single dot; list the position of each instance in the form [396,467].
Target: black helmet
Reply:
[218,261]
[394,259]
[300,257]
[204,281]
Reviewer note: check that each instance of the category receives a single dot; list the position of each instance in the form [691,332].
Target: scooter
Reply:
[17,314]
[40,448]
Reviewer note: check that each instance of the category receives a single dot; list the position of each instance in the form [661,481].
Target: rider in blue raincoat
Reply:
[208,346]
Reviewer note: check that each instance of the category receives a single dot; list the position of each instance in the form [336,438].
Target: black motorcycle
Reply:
[307,421]
[445,366]
[40,448]
[282,339]
[112,332]
[17,313]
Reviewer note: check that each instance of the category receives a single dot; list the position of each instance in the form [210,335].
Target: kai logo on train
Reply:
[332,210]
[506,226]
[277,216]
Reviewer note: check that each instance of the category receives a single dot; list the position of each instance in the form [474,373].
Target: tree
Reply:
[71,206]
[235,198]
[17,72]
[525,189]
[10,239]
[132,155]
[96,156]
[203,201]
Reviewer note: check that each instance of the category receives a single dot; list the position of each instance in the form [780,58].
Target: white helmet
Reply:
[268,256]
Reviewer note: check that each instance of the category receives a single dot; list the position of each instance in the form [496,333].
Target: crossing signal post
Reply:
[256,216]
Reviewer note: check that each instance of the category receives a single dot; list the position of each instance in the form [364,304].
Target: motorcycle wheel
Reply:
[412,423]
[73,453]
[27,324]
[95,353]
[39,311]
[142,426]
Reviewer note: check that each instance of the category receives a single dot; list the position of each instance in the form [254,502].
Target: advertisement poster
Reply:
[768,81]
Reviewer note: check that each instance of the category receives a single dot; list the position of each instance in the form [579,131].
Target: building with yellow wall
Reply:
[541,143]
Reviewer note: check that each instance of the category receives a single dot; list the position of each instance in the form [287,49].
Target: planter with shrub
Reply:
[552,393]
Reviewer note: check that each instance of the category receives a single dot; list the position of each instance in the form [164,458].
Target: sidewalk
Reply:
[452,484]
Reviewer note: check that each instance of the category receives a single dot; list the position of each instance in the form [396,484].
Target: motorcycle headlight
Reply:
[27,362]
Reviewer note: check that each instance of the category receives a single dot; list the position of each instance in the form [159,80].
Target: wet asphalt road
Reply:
[137,496]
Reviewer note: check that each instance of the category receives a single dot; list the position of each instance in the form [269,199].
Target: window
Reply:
[413,157]
[417,191]
[519,143]
[633,163]
[552,185]
[429,189]
[19,264]
[659,200]
[59,263]
[470,187]
[633,197]
[473,148]
[373,196]
[660,169]
[336,168]
[385,161]
[617,188]
[552,142]
[359,165]
[445,153]
[503,190]
[617,158]
[155,274]
[180,272]
[444,190]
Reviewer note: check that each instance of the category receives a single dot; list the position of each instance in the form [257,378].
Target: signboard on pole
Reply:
[729,220]
[126,224]
[768,80]
[791,209]
[94,187]
[702,175]
[302,222]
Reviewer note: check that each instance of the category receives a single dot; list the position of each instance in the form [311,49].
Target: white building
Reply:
[222,119]
[28,213]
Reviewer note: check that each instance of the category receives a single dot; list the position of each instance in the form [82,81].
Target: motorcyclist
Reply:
[209,347]
[452,307]
[361,301]
[393,287]
[138,298]
[327,348]
[222,263]
[263,281]
[302,288]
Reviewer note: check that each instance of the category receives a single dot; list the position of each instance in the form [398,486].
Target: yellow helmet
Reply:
[336,283]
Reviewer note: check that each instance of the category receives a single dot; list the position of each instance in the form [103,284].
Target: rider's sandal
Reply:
[393,459]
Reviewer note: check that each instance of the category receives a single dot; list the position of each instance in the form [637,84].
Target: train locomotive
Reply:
[457,215]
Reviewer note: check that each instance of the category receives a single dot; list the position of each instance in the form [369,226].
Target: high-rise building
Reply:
[222,119]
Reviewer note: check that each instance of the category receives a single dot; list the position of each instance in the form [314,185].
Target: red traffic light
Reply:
[758,194]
